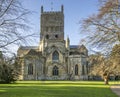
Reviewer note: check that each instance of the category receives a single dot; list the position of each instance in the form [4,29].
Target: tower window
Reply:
[47,36]
[55,71]
[30,69]
[56,36]
[55,56]
[76,69]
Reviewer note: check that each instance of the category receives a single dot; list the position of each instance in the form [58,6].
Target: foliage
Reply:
[56,89]
[115,57]
[1,55]
[115,51]
[98,66]
[103,28]
[105,67]
[6,74]
[103,33]
[9,70]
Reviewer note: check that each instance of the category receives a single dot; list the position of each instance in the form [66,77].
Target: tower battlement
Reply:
[51,12]
[52,24]
[62,10]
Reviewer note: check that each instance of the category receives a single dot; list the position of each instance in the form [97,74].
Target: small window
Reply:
[56,36]
[47,36]
[55,71]
[30,69]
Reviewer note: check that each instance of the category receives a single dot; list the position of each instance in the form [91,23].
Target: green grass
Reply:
[56,89]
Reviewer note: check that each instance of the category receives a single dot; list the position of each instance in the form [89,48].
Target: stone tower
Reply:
[52,25]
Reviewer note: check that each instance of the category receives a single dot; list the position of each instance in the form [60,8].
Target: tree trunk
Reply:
[106,80]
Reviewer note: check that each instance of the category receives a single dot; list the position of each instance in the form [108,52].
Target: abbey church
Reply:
[54,58]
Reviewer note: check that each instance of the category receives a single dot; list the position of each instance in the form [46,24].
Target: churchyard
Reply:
[57,89]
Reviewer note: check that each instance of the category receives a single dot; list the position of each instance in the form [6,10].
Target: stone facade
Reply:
[54,58]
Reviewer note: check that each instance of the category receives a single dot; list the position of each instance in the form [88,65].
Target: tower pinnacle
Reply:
[41,9]
[51,6]
[62,8]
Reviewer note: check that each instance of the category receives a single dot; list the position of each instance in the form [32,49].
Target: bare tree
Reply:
[14,24]
[103,69]
[103,28]
[106,67]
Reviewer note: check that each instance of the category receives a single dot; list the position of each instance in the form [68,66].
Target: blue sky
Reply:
[74,11]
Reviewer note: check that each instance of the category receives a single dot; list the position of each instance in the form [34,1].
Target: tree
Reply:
[1,56]
[103,31]
[103,28]
[106,66]
[9,70]
[100,66]
[14,24]
[115,57]
[94,60]
[104,69]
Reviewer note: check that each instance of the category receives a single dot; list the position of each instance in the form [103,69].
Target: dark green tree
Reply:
[9,70]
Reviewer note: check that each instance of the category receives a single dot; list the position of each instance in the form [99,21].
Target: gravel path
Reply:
[116,89]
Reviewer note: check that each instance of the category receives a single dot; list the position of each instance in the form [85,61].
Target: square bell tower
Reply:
[52,24]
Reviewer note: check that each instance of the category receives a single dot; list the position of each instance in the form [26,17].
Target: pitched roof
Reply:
[77,46]
[28,47]
[33,52]
[74,46]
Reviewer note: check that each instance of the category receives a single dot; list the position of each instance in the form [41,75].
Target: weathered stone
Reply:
[54,58]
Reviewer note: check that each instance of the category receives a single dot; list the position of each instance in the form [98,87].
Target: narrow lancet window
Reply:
[30,69]
[55,71]
[76,69]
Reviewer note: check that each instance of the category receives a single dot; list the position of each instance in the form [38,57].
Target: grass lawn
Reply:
[56,89]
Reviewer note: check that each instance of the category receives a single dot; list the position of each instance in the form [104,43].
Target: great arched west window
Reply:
[55,70]
[76,69]
[55,56]
[30,69]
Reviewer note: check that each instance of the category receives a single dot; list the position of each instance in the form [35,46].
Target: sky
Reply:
[74,11]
